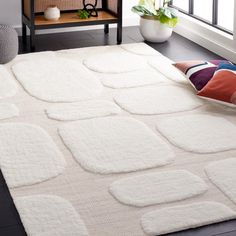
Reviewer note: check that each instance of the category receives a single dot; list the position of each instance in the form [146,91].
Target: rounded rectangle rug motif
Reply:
[223,174]
[157,188]
[115,145]
[31,151]
[159,99]
[174,219]
[82,110]
[200,133]
[49,215]
[57,80]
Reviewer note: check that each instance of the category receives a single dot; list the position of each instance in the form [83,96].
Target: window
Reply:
[226,14]
[182,4]
[202,9]
[217,13]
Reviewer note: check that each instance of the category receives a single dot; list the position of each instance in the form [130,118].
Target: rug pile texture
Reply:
[111,140]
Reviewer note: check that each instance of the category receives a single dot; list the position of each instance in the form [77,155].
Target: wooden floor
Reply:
[177,48]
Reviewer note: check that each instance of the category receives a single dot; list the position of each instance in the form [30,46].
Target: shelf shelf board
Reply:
[72,18]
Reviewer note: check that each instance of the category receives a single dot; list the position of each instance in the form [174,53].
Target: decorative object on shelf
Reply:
[8,44]
[91,8]
[157,19]
[83,14]
[52,13]
[110,12]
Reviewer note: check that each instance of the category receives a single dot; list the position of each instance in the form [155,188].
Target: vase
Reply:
[154,31]
[52,13]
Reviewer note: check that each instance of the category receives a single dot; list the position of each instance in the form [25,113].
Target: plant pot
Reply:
[154,31]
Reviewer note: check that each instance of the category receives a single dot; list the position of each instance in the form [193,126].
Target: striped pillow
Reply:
[199,73]
[222,87]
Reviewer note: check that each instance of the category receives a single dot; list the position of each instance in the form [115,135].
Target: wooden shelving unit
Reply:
[35,20]
[73,18]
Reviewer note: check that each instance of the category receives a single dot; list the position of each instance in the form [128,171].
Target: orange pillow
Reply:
[222,86]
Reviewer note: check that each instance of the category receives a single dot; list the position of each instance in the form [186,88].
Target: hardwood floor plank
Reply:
[232,233]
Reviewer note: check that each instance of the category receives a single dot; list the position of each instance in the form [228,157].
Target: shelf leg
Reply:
[32,39]
[24,34]
[106,28]
[119,33]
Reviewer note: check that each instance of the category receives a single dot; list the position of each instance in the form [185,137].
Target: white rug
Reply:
[157,188]
[82,110]
[8,111]
[8,87]
[133,79]
[28,155]
[109,145]
[160,99]
[165,67]
[115,62]
[115,145]
[58,80]
[47,215]
[199,133]
[140,49]
[223,175]
[174,219]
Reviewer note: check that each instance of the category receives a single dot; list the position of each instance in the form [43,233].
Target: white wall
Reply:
[10,12]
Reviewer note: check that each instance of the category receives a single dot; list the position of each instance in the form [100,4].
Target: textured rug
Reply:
[82,110]
[57,80]
[8,86]
[115,145]
[77,163]
[8,111]
[160,99]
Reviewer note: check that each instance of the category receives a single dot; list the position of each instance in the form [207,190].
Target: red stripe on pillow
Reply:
[221,87]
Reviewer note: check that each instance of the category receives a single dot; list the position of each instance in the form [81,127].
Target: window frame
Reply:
[213,22]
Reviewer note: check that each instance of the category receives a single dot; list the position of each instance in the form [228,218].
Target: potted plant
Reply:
[157,19]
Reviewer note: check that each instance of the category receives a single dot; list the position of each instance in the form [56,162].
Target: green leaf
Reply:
[83,14]
[142,11]
[167,12]
[173,11]
[170,22]
[148,5]
[166,15]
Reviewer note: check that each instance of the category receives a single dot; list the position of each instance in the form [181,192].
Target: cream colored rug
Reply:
[223,175]
[115,145]
[133,79]
[179,218]
[160,99]
[28,155]
[165,67]
[140,49]
[200,133]
[71,183]
[8,87]
[82,110]
[157,188]
[8,111]
[117,61]
[49,215]
[57,80]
